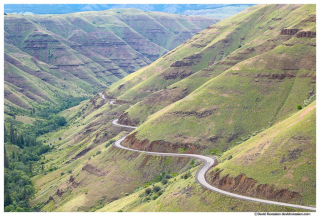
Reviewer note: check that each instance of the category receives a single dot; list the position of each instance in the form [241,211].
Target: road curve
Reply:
[200,175]
[111,101]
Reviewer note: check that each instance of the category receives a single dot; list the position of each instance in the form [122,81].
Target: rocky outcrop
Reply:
[248,187]
[83,152]
[298,33]
[181,63]
[306,34]
[125,120]
[276,76]
[93,170]
[289,31]
[133,142]
[177,74]
[202,114]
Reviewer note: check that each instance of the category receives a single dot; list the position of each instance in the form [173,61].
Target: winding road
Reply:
[200,175]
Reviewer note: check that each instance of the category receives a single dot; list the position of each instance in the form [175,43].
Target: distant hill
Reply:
[48,57]
[205,9]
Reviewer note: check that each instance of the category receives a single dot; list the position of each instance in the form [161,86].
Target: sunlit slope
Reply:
[208,54]
[186,195]
[84,53]
[152,78]
[283,156]
[252,95]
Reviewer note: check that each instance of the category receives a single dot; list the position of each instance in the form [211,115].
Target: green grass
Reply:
[262,154]
[254,29]
[194,198]
[241,102]
[238,89]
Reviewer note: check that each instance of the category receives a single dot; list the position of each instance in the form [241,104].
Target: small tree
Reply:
[164,181]
[156,188]
[147,191]
[6,161]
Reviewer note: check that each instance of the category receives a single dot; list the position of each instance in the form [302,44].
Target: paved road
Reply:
[111,101]
[200,175]
[102,96]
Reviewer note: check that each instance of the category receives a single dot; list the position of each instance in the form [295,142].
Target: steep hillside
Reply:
[194,198]
[207,55]
[242,90]
[29,82]
[83,53]
[280,157]
[264,78]
[83,160]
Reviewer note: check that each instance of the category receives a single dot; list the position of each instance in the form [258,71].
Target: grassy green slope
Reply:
[91,50]
[186,195]
[216,49]
[283,155]
[83,150]
[34,81]
[253,94]
[244,91]
[245,98]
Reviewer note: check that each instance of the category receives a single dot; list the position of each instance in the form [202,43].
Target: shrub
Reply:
[147,184]
[174,174]
[109,143]
[192,162]
[164,181]
[299,107]
[167,176]
[156,188]
[127,194]
[147,191]
[230,157]
[187,175]
[213,151]
[217,169]
[155,197]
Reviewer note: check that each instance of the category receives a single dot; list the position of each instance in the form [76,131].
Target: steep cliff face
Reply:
[88,50]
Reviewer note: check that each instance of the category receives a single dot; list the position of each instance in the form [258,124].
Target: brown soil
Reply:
[289,31]
[94,170]
[174,74]
[126,120]
[159,145]
[248,186]
[306,34]
[202,114]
